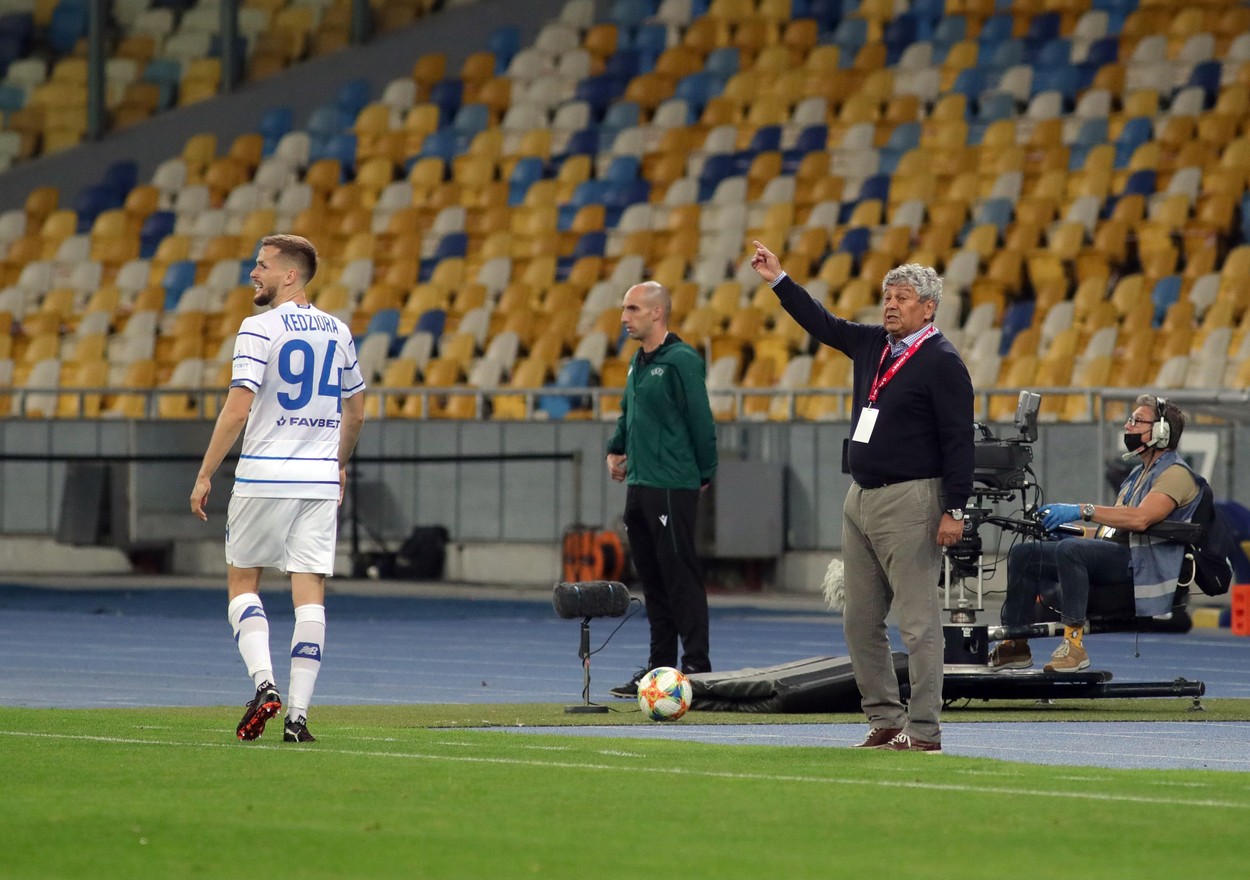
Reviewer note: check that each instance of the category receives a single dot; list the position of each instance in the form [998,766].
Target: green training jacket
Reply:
[666,430]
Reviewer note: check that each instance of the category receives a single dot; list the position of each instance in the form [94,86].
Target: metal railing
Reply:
[752,404]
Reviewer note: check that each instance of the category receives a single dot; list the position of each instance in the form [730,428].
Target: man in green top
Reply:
[664,448]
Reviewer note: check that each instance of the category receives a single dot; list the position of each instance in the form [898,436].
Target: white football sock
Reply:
[251,633]
[307,643]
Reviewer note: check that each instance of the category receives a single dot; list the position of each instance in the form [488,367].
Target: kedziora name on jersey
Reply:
[302,323]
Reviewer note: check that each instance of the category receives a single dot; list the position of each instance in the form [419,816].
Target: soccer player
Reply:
[297,387]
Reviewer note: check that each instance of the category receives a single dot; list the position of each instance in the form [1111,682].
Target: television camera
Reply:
[1002,470]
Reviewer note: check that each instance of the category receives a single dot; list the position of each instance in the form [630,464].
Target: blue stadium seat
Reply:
[121,177]
[696,89]
[157,225]
[352,97]
[849,36]
[68,26]
[619,116]
[447,94]
[1043,27]
[1167,290]
[811,139]
[589,244]
[598,92]
[177,278]
[949,31]
[971,82]
[623,64]
[341,146]
[997,211]
[901,32]
[166,73]
[1206,75]
[1064,79]
[588,192]
[527,170]
[1135,132]
[619,195]
[629,13]
[442,144]
[504,42]
[574,373]
[622,169]
[715,169]
[584,142]
[325,121]
[471,119]
[1053,53]
[856,241]
[993,106]
[93,200]
[1017,317]
[723,63]
[826,12]
[275,122]
[11,98]
[997,57]
[1105,50]
[433,322]
[649,41]
[996,29]
[386,321]
[1141,182]
[453,244]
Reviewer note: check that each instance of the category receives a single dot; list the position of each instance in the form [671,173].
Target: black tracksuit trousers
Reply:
[661,527]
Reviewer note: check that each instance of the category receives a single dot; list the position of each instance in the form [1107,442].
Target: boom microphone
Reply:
[590,599]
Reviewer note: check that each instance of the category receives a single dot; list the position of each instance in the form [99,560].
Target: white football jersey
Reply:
[301,363]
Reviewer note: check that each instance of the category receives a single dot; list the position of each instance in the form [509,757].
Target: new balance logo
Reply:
[664,519]
[307,650]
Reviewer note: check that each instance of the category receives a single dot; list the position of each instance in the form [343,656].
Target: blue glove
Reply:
[1055,515]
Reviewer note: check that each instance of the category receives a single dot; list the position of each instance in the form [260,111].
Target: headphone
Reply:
[1160,431]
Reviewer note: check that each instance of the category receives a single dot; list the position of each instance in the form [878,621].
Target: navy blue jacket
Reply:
[924,428]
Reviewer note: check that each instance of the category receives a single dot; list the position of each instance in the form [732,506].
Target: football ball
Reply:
[664,694]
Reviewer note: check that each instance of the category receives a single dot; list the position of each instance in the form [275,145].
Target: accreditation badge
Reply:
[863,428]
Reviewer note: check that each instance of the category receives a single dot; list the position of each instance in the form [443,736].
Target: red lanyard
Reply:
[883,379]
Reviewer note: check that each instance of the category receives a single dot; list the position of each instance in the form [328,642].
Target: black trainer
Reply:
[296,731]
[266,704]
[629,690]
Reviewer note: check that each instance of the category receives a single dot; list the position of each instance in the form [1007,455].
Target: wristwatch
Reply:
[1087,512]
[956,514]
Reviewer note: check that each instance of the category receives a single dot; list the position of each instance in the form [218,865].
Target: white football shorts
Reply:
[289,534]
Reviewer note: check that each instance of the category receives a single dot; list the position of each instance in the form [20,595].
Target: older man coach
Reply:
[910,457]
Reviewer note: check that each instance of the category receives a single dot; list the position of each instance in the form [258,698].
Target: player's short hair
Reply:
[656,293]
[297,249]
[924,280]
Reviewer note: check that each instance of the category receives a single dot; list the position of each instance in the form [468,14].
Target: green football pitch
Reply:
[432,792]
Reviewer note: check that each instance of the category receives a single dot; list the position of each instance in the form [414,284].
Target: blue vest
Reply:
[1155,562]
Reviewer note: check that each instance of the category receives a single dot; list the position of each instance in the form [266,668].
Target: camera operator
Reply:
[910,457]
[1161,486]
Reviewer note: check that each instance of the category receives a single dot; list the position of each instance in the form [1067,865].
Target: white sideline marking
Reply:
[1067,793]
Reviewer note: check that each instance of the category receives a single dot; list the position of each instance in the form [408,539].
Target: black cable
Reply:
[632,599]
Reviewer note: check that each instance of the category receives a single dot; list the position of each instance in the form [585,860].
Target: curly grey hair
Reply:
[924,280]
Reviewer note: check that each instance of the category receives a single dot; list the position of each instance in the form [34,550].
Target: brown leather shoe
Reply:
[904,743]
[878,737]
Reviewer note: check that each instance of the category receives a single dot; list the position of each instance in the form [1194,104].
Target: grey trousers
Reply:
[892,559]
